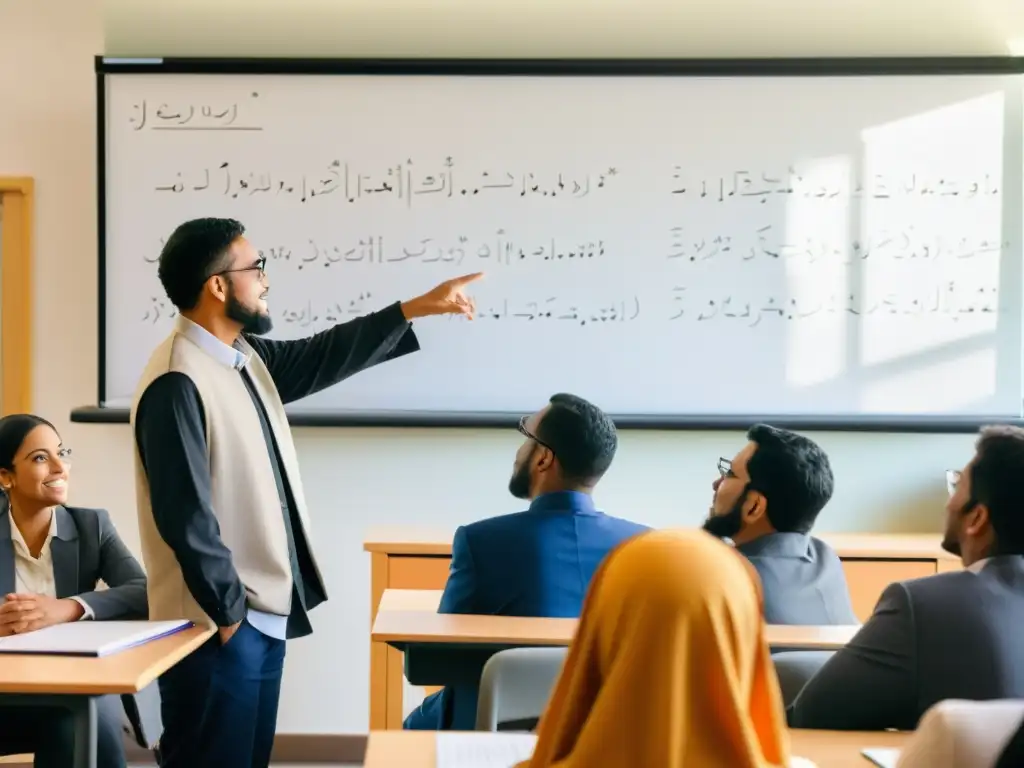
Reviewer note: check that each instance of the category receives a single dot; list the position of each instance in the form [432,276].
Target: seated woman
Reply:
[669,666]
[51,559]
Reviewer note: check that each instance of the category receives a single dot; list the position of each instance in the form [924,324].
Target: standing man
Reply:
[222,516]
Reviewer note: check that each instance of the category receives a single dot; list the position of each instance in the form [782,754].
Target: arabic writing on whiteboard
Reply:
[403,182]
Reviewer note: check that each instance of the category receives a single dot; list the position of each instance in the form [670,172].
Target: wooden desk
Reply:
[418,559]
[446,649]
[74,682]
[407,616]
[827,749]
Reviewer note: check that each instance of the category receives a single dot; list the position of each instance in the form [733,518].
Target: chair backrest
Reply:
[795,668]
[515,685]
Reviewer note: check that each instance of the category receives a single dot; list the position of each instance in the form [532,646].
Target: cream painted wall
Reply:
[356,478]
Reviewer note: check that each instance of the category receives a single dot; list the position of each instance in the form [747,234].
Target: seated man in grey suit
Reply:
[766,500]
[950,636]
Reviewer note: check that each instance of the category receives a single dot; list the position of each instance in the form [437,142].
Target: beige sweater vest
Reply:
[245,498]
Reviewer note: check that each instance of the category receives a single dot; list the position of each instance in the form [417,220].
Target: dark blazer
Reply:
[803,580]
[950,636]
[533,563]
[86,550]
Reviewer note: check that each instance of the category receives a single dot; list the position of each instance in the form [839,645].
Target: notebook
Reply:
[483,749]
[90,638]
[503,750]
[883,758]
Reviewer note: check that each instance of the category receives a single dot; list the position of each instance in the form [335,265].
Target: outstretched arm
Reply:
[302,367]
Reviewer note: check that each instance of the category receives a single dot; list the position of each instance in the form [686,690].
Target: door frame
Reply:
[17,199]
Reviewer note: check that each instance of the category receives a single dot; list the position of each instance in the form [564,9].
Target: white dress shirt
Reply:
[34,575]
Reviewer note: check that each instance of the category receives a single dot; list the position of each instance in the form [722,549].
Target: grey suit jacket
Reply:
[803,580]
[950,636]
[86,549]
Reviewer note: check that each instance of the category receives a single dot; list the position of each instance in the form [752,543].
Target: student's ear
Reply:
[545,459]
[754,507]
[977,520]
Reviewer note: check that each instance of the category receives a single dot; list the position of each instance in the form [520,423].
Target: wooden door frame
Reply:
[17,198]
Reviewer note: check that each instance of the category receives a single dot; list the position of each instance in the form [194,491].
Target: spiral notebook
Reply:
[90,638]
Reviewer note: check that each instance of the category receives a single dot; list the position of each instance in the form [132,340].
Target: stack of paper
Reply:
[483,749]
[90,638]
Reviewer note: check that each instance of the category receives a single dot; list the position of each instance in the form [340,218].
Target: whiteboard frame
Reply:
[748,68]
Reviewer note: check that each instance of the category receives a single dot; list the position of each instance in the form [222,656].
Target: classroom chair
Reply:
[795,668]
[141,720]
[515,686]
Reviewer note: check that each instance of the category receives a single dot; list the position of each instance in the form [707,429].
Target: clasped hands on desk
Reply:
[418,560]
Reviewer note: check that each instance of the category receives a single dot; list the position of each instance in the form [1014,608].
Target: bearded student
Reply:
[222,516]
[766,501]
[538,562]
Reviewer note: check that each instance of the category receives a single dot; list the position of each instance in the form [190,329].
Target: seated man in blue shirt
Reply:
[766,500]
[538,562]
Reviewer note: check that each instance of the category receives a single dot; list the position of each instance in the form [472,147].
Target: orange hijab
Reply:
[669,666]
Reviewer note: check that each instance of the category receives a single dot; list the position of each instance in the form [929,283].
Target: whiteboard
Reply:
[663,245]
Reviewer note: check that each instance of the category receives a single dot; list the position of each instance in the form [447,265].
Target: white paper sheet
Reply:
[882,757]
[90,638]
[483,749]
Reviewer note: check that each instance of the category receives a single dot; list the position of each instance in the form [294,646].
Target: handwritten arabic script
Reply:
[947,299]
[402,182]
[764,186]
[768,243]
[189,117]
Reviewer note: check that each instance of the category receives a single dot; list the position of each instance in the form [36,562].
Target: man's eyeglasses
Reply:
[952,480]
[725,468]
[523,429]
[260,266]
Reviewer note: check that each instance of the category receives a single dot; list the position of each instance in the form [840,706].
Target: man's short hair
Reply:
[194,252]
[581,435]
[793,473]
[997,481]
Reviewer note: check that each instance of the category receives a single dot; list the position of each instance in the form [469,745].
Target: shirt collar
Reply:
[214,347]
[573,502]
[977,565]
[778,545]
[19,540]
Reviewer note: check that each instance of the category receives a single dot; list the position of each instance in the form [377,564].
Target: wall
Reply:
[355,478]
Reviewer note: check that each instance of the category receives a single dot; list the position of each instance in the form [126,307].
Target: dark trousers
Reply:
[219,705]
[49,734]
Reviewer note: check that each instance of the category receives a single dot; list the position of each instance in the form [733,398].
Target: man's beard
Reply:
[519,483]
[252,321]
[950,542]
[728,525]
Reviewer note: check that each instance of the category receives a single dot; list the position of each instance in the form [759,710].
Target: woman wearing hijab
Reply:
[52,557]
[669,667]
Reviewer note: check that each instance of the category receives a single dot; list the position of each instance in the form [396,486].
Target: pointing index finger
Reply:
[465,279]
